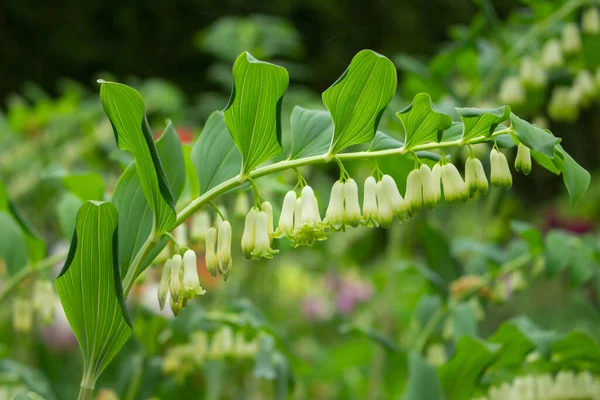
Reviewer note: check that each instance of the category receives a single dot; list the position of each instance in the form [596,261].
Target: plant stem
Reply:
[86,390]
[138,263]
[29,270]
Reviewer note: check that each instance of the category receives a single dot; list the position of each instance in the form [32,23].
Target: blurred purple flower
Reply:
[315,309]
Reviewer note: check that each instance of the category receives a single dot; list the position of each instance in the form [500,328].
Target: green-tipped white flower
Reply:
[212,262]
[552,55]
[175,283]
[163,285]
[475,178]
[397,203]
[44,300]
[571,38]
[286,219]
[429,191]
[369,210]
[224,248]
[22,315]
[436,177]
[500,171]
[268,209]
[310,207]
[455,189]
[298,214]
[262,242]
[385,215]
[248,237]
[191,281]
[532,74]
[310,228]
[200,224]
[414,191]
[352,214]
[512,91]
[523,160]
[334,216]
[590,21]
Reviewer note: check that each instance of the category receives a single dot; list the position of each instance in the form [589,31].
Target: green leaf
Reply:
[422,123]
[534,137]
[530,234]
[371,334]
[34,379]
[29,396]
[356,101]
[553,165]
[67,209]
[438,253]
[13,248]
[558,248]
[253,115]
[135,215]
[85,186]
[481,121]
[461,374]
[312,132]
[215,156]
[192,187]
[464,321]
[577,348]
[423,380]
[89,287]
[576,178]
[124,107]
[383,141]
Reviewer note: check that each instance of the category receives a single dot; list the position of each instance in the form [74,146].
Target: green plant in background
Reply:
[115,241]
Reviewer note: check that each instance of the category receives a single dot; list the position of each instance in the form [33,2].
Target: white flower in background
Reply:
[590,21]
[334,216]
[163,285]
[241,206]
[524,388]
[563,104]
[262,242]
[430,193]
[181,235]
[200,225]
[500,171]
[191,281]
[22,315]
[455,189]
[475,178]
[352,214]
[268,209]
[584,87]
[436,354]
[369,210]
[523,159]
[43,300]
[414,191]
[249,233]
[385,216]
[532,74]
[503,392]
[511,91]
[175,283]
[571,38]
[212,262]
[552,55]
[222,343]
[286,219]
[224,248]
[399,207]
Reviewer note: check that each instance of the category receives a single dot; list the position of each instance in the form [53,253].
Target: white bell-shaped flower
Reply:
[249,234]
[500,171]
[585,87]
[571,38]
[163,285]
[369,210]
[191,281]
[552,55]
[286,219]
[455,189]
[396,200]
[352,214]
[385,214]
[523,159]
[212,262]
[436,177]
[176,282]
[262,243]
[224,248]
[310,207]
[334,216]
[590,21]
[268,209]
[414,191]
[512,91]
[43,300]
[309,228]
[532,74]
[475,176]
[429,191]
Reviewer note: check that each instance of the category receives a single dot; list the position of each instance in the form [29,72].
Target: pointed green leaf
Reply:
[135,215]
[422,122]
[253,115]
[383,141]
[481,121]
[124,107]
[534,137]
[85,186]
[215,156]
[356,101]
[312,131]
[89,287]
[423,380]
[576,178]
[577,348]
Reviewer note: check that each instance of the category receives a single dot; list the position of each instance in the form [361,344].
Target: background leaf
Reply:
[481,121]
[356,101]
[312,132]
[13,250]
[85,186]
[253,115]
[423,380]
[214,155]
[421,122]
[89,287]
[124,107]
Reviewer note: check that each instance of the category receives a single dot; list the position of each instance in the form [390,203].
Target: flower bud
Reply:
[163,285]
[176,306]
[512,92]
[268,209]
[286,219]
[200,224]
[523,160]
[571,39]
[175,284]
[22,315]
[455,189]
[475,178]
[429,191]
[191,281]
[249,233]
[552,54]
[385,215]
[436,176]
[334,215]
[43,300]
[212,262]
[590,21]
[352,215]
[262,243]
[500,171]
[370,202]
[224,248]
[414,192]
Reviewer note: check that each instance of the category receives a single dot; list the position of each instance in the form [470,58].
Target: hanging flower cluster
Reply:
[179,281]
[42,305]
